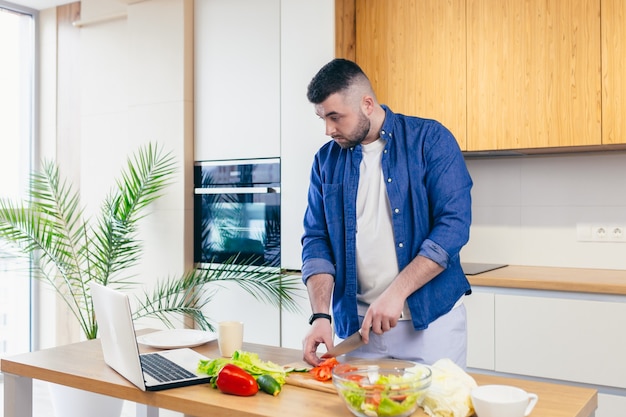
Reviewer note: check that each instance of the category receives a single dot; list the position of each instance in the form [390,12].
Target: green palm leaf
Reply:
[69,250]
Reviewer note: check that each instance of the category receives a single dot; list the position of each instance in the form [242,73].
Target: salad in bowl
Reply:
[381,388]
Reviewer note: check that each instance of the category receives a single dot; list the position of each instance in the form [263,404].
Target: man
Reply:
[389,209]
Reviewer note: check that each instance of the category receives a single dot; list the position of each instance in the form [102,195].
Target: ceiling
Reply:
[39,4]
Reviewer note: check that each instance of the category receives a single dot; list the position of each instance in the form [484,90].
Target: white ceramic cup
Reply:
[229,337]
[502,401]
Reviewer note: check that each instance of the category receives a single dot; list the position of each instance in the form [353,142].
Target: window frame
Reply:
[33,153]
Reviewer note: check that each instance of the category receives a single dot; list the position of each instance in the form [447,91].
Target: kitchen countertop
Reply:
[81,365]
[586,280]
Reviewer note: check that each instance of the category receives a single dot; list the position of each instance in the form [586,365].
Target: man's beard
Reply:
[357,136]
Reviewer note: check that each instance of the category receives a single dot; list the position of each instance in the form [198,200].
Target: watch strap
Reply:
[316,316]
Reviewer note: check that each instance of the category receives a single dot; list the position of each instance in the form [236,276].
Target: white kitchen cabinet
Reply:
[237,116]
[559,338]
[237,79]
[610,406]
[295,324]
[261,321]
[253,62]
[480,329]
[307,43]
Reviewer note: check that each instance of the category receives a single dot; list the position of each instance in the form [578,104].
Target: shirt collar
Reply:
[386,132]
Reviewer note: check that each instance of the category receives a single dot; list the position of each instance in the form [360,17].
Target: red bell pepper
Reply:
[231,379]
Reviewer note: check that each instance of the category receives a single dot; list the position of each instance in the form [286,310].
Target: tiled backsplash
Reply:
[525,209]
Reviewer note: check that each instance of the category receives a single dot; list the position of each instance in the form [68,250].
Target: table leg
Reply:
[144,410]
[18,396]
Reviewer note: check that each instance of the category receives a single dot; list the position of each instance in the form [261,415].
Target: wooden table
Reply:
[81,365]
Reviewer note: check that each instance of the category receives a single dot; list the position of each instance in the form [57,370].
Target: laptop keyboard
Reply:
[162,369]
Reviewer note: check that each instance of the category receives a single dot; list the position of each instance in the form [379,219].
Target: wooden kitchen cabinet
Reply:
[414,53]
[536,75]
[533,74]
[613,72]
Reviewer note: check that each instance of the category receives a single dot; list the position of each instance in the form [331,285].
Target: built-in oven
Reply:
[237,212]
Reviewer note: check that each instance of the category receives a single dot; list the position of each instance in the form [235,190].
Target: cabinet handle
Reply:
[238,190]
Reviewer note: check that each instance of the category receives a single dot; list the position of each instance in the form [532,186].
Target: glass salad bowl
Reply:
[385,387]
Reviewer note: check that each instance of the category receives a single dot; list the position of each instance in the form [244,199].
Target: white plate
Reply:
[176,338]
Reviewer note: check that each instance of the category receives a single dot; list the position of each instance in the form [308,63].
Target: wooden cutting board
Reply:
[306,380]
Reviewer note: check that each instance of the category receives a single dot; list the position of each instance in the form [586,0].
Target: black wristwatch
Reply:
[316,316]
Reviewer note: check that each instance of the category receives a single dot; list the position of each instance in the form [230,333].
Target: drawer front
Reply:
[480,330]
[574,340]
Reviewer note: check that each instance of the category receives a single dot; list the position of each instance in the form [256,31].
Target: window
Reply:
[17,54]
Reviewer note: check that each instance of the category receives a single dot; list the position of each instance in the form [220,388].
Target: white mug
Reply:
[502,401]
[229,337]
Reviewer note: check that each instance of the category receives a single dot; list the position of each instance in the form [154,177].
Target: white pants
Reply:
[446,337]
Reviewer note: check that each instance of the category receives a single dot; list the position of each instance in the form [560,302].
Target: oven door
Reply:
[237,221]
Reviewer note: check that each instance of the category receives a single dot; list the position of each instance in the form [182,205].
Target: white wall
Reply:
[136,85]
[136,78]
[525,209]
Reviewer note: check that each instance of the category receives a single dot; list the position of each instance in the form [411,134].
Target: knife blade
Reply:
[347,345]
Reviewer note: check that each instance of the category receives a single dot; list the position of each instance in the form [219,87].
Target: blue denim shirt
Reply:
[429,191]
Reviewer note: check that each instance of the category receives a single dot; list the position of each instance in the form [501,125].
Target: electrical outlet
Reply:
[599,233]
[614,233]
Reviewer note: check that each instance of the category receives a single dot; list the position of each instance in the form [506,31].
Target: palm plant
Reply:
[68,250]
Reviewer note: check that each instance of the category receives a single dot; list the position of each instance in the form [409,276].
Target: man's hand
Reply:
[321,332]
[382,315]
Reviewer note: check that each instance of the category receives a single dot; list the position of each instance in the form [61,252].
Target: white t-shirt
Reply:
[376,261]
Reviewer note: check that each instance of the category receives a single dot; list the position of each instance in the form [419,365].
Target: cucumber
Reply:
[268,384]
[292,369]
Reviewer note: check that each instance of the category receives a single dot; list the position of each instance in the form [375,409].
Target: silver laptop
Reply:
[148,371]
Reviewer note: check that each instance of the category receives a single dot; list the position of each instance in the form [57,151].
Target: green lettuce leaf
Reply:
[248,361]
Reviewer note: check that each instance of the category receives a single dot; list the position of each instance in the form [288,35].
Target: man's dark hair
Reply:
[332,78]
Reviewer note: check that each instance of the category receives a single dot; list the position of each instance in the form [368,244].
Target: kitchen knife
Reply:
[347,345]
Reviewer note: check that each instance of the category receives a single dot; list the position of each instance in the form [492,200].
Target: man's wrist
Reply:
[316,316]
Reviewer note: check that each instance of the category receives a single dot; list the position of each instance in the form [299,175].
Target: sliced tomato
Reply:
[323,371]
[355,378]
[329,363]
[373,399]
[398,398]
